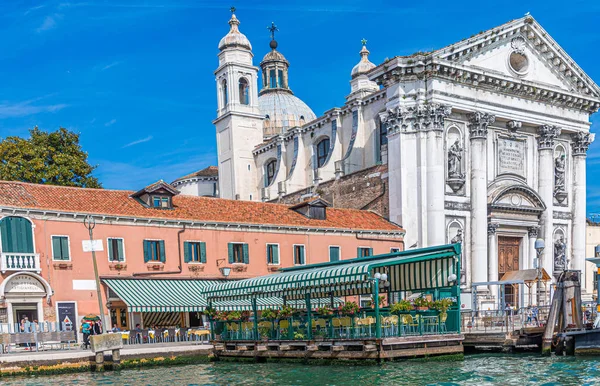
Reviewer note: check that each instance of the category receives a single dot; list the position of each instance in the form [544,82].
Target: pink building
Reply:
[156,249]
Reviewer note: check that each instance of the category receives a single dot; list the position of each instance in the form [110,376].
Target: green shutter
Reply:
[161,245]
[120,250]
[109,248]
[359,252]
[246,257]
[202,252]
[17,235]
[334,254]
[5,235]
[275,254]
[230,252]
[56,248]
[187,252]
[370,251]
[147,252]
[302,257]
[65,247]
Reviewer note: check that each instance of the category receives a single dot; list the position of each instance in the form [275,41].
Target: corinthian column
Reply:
[547,134]
[435,173]
[478,128]
[580,144]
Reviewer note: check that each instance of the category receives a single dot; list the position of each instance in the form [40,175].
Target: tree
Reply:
[54,158]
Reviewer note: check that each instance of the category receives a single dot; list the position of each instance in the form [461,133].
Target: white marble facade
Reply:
[485,140]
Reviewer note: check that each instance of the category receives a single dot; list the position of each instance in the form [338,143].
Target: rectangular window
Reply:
[280,78]
[154,251]
[364,252]
[115,249]
[394,250]
[238,253]
[60,248]
[299,258]
[365,301]
[272,79]
[194,252]
[334,253]
[156,202]
[273,254]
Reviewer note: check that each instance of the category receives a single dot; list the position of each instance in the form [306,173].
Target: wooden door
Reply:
[509,260]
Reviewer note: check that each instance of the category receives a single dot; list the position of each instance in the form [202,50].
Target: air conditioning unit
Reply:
[264,193]
[281,188]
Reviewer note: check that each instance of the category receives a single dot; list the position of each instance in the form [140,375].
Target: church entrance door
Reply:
[508,260]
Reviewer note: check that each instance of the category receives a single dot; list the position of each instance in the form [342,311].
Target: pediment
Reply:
[502,50]
[515,198]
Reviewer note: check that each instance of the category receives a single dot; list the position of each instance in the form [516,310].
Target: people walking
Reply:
[86,329]
[535,315]
[96,328]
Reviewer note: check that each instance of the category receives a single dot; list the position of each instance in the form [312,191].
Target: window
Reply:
[16,234]
[383,140]
[244,92]
[194,252]
[394,250]
[60,247]
[238,253]
[364,252]
[115,249]
[365,301]
[316,212]
[334,253]
[272,79]
[225,96]
[273,254]
[160,202]
[270,172]
[154,251]
[299,258]
[280,79]
[322,152]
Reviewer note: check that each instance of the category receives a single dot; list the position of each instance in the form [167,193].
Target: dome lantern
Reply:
[364,65]
[234,37]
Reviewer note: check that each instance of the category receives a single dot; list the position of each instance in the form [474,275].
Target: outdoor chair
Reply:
[443,318]
[283,329]
[430,324]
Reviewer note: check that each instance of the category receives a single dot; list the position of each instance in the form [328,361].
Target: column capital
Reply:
[533,231]
[547,135]
[422,117]
[492,226]
[581,142]
[478,124]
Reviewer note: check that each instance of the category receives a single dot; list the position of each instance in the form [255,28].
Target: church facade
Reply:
[484,140]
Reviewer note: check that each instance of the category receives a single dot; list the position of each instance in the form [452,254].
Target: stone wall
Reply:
[366,189]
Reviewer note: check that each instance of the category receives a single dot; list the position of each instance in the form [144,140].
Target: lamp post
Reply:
[539,248]
[90,224]
[378,279]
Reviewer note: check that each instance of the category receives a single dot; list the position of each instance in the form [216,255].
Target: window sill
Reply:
[155,266]
[240,267]
[66,264]
[196,267]
[114,266]
[274,268]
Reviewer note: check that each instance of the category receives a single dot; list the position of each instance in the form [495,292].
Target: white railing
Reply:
[20,262]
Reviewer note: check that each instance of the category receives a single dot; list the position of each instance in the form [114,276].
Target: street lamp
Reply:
[225,271]
[539,248]
[90,224]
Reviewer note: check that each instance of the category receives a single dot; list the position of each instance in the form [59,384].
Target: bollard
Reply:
[100,361]
[116,356]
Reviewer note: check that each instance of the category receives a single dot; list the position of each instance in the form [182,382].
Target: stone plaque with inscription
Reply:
[511,156]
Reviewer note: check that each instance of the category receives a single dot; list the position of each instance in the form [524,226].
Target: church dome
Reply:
[364,65]
[234,38]
[282,111]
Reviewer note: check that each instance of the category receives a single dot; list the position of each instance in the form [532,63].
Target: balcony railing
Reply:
[20,262]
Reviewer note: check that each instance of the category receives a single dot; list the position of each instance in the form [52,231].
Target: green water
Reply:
[474,370]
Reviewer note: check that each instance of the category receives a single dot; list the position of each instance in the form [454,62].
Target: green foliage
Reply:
[287,312]
[53,158]
[324,311]
[298,335]
[421,302]
[234,315]
[263,331]
[401,306]
[349,309]
[442,305]
[210,312]
[269,314]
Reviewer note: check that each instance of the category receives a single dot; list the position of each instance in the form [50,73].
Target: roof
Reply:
[202,209]
[210,171]
[415,269]
[526,275]
[284,109]
[158,185]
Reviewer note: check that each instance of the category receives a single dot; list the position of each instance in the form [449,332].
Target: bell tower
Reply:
[239,121]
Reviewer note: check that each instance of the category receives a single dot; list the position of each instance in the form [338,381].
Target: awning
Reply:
[420,269]
[526,275]
[263,303]
[160,295]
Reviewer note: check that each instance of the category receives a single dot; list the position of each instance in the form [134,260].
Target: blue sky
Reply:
[135,78]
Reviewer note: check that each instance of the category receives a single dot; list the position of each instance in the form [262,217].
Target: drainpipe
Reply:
[168,272]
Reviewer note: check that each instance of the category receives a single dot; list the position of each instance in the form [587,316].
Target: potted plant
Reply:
[325,311]
[286,312]
[263,331]
[349,309]
[222,316]
[298,335]
[421,303]
[269,314]
[319,335]
[210,312]
[234,315]
[442,305]
[401,307]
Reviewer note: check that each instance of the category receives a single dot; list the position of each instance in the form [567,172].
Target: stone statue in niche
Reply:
[458,238]
[456,178]
[560,254]
[559,178]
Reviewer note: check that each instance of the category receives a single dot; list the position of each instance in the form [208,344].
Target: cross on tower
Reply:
[364,42]
[273,28]
[232,9]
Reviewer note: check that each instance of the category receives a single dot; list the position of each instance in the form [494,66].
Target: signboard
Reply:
[106,342]
[24,284]
[511,156]
[66,313]
[96,246]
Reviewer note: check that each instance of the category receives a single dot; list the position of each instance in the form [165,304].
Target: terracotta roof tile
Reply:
[210,171]
[119,203]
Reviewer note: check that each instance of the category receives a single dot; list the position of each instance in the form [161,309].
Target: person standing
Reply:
[96,328]
[86,329]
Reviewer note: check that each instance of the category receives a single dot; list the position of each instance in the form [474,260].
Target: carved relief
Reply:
[478,124]
[560,192]
[451,205]
[560,253]
[420,117]
[533,231]
[547,135]
[492,228]
[581,142]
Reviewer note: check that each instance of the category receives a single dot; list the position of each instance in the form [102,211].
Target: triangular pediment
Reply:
[523,50]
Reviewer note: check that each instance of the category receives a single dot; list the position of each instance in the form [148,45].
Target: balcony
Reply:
[20,262]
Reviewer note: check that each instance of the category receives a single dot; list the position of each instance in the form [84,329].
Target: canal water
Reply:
[474,370]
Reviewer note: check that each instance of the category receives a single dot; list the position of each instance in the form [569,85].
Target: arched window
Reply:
[270,172]
[244,92]
[225,96]
[322,152]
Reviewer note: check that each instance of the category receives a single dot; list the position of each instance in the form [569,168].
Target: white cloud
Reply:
[137,142]
[111,65]
[111,122]
[23,109]
[49,23]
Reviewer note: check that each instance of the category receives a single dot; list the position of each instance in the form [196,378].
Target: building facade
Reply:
[484,140]
[155,236]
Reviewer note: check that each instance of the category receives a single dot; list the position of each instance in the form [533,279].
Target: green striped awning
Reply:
[419,269]
[273,302]
[161,295]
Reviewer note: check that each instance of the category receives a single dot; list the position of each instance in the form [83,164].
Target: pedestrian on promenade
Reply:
[86,329]
[115,328]
[529,316]
[96,328]
[534,314]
